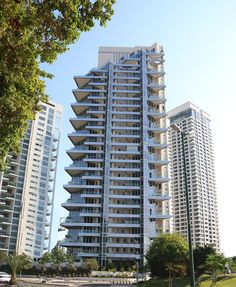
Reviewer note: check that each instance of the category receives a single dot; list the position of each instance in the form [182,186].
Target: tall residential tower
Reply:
[27,192]
[119,177]
[195,123]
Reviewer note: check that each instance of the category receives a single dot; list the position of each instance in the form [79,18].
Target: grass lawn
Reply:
[184,282]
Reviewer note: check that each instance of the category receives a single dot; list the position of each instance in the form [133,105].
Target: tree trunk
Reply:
[13,279]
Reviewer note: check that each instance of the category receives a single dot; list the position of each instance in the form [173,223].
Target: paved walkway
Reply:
[78,281]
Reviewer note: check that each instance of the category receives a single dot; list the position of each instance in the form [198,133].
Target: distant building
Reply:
[200,173]
[119,199]
[27,189]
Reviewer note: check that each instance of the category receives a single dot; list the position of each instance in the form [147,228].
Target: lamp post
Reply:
[191,259]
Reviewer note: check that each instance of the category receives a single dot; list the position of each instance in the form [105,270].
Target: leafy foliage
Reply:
[168,253]
[59,255]
[92,264]
[17,262]
[215,263]
[56,256]
[200,256]
[34,32]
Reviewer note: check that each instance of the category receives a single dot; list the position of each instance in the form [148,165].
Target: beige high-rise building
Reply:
[195,123]
[27,190]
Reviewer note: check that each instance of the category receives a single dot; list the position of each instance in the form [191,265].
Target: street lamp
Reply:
[191,260]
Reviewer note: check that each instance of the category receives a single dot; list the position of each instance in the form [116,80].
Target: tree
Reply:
[201,254]
[168,254]
[17,263]
[57,256]
[92,264]
[215,263]
[34,32]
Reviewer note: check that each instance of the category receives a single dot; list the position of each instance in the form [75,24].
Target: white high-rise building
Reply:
[195,123]
[119,199]
[27,190]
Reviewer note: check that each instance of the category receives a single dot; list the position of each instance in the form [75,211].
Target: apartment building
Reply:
[27,189]
[119,200]
[195,123]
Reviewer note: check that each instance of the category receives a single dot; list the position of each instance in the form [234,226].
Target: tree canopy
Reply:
[92,264]
[17,263]
[56,256]
[168,253]
[33,32]
[201,254]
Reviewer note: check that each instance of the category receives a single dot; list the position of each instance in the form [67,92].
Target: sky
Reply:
[199,40]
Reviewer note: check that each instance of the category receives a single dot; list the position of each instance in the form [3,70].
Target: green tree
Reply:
[46,258]
[59,255]
[34,32]
[215,263]
[56,256]
[17,263]
[167,256]
[201,254]
[92,264]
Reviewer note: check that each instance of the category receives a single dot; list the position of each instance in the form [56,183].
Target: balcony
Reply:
[74,185]
[155,113]
[124,215]
[5,220]
[76,222]
[158,197]
[158,177]
[159,215]
[79,202]
[123,255]
[124,206]
[126,235]
[125,224]
[74,168]
[123,245]
[6,209]
[152,158]
[76,243]
[156,144]
[131,187]
[83,80]
[4,234]
[122,178]
[81,93]
[77,150]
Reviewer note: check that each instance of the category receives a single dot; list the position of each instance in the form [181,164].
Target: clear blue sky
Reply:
[199,39]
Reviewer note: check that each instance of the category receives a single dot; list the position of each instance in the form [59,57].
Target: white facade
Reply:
[119,187]
[195,123]
[28,186]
